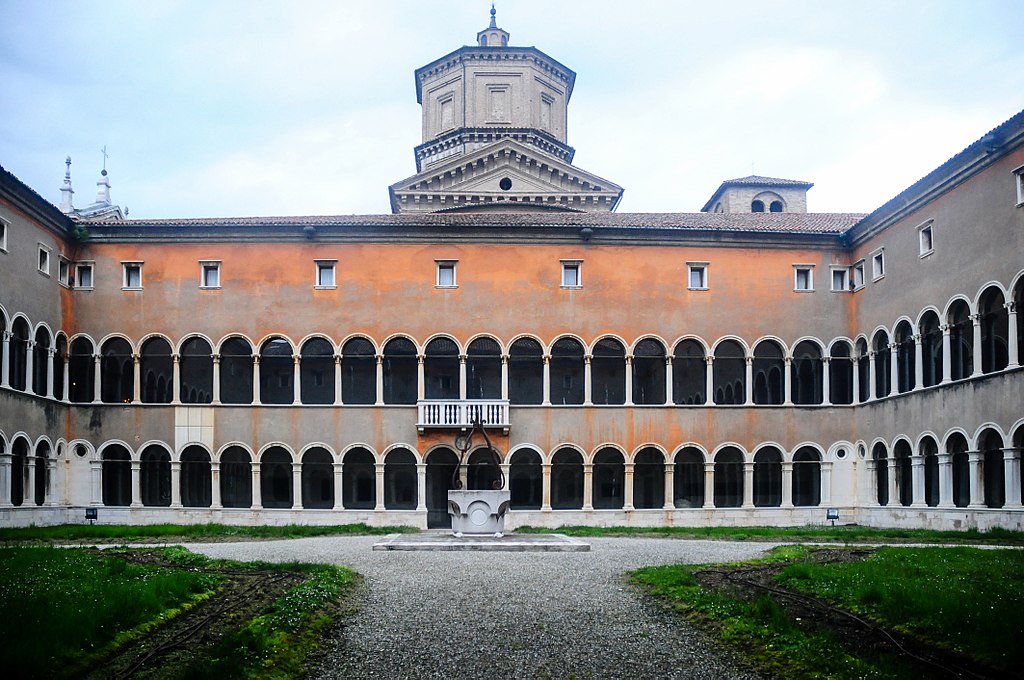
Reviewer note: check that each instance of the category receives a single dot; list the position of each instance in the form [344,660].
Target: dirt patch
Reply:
[859,636]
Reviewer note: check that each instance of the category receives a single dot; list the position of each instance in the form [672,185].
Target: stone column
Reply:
[176,379]
[339,501]
[975,462]
[546,400]
[856,380]
[709,485]
[945,480]
[30,352]
[872,387]
[216,378]
[748,484]
[826,382]
[137,374]
[136,484]
[588,486]
[462,377]
[257,488]
[51,367]
[947,354]
[629,380]
[66,388]
[175,483]
[5,368]
[918,364]
[545,504]
[256,388]
[296,485]
[787,397]
[748,386]
[296,379]
[669,395]
[96,467]
[1013,351]
[1011,467]
[976,351]
[97,378]
[5,479]
[337,381]
[215,501]
[587,401]
[917,473]
[421,487]
[379,470]
[421,380]
[826,483]
[890,479]
[504,377]
[787,484]
[709,380]
[379,401]
[628,484]
[670,486]
[894,368]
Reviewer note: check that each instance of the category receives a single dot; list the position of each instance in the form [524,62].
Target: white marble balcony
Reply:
[461,413]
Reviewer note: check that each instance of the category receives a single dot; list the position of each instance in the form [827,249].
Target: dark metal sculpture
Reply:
[464,442]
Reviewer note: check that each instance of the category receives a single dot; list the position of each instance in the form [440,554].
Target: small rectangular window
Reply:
[926,239]
[209,274]
[132,279]
[446,273]
[325,273]
[63,271]
[698,275]
[1018,177]
[840,279]
[572,274]
[83,275]
[3,235]
[44,260]
[858,275]
[803,277]
[877,264]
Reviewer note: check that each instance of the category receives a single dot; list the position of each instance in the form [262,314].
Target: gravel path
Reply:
[509,615]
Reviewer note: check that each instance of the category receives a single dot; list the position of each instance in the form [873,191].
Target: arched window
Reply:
[82,371]
[196,478]
[441,369]
[689,373]
[566,480]
[236,371]
[441,465]
[903,470]
[931,349]
[608,372]
[905,359]
[730,373]
[993,468]
[483,369]
[117,372]
[19,471]
[18,353]
[525,372]
[769,373]
[929,450]
[688,478]
[277,372]
[880,457]
[863,370]
[359,371]
[1018,300]
[3,330]
[399,372]
[840,376]
[882,375]
[236,478]
[195,368]
[41,361]
[757,206]
[155,476]
[956,446]
[775,206]
[316,372]
[566,369]
[317,478]
[649,372]
[400,480]
[995,330]
[117,475]
[156,371]
[768,477]
[807,373]
[649,479]
[806,477]
[59,357]
[729,478]
[609,479]
[359,480]
[42,469]
[276,478]
[961,341]
[525,480]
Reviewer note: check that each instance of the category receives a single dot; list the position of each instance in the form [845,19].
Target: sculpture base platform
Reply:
[444,541]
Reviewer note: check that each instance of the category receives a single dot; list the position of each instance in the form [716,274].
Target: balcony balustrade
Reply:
[461,414]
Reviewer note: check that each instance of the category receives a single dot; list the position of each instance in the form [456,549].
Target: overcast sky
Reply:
[287,108]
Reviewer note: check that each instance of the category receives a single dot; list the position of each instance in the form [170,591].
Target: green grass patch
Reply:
[59,605]
[965,599]
[818,533]
[100,532]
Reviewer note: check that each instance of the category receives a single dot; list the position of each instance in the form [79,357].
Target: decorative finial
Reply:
[105,156]
[67,173]
[493,13]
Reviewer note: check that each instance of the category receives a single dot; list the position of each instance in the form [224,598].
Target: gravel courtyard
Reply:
[508,615]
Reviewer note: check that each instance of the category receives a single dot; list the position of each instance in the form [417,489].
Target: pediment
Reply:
[505,171]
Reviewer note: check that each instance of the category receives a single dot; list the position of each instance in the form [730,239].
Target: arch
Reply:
[17,353]
[863,369]
[20,449]
[840,368]
[961,339]
[483,368]
[525,478]
[757,206]
[277,370]
[60,358]
[768,476]
[729,371]
[441,368]
[649,478]
[442,464]
[807,369]
[236,476]
[728,481]
[768,372]
[993,472]
[906,361]
[807,476]
[155,474]
[957,447]
[400,478]
[359,371]
[277,489]
[525,371]
[481,473]
[567,478]
[196,477]
[156,370]
[116,474]
[689,372]
[931,347]
[359,479]
[43,449]
[609,473]
[317,476]
[883,376]
[688,477]
[236,370]
[649,371]
[928,449]
[608,371]
[41,359]
[566,371]
[117,371]
[995,329]
[195,369]
[399,364]
[316,371]
[902,450]
[880,458]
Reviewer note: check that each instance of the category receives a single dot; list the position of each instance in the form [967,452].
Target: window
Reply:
[877,264]
[64,271]
[1018,176]
[858,275]
[446,273]
[3,234]
[803,277]
[44,260]
[132,279]
[757,206]
[83,275]
[925,239]
[325,273]
[209,274]
[698,275]
[572,274]
[840,279]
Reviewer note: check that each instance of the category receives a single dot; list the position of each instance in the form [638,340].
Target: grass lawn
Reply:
[968,600]
[75,532]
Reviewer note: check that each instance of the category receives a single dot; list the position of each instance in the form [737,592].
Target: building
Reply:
[753,363]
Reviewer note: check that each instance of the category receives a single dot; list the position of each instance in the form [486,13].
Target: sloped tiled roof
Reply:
[760,180]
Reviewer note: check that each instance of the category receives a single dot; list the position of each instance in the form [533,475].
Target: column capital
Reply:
[945,328]
[976,319]
[917,338]
[6,336]
[255,359]
[504,358]
[748,360]
[668,359]
[709,359]
[1011,306]
[176,358]
[462,358]
[216,358]
[587,358]
[788,360]
[826,360]
[547,359]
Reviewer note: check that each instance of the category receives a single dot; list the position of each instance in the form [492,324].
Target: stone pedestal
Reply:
[478,511]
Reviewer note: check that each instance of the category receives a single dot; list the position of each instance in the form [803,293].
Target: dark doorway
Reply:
[441,465]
